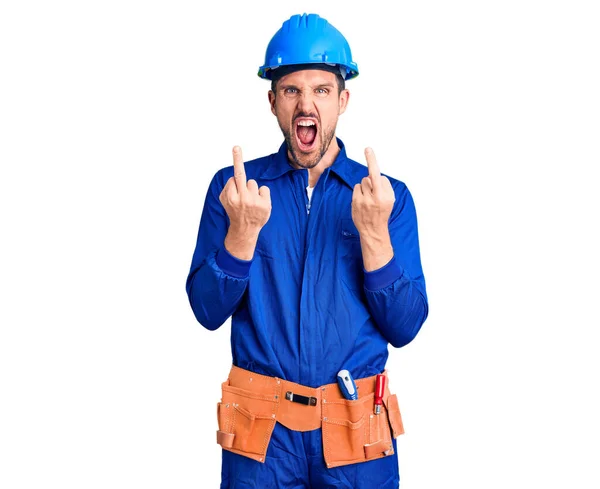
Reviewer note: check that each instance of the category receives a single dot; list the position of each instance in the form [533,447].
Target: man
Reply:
[316,258]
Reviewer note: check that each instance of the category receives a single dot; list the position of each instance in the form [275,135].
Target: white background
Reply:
[114,116]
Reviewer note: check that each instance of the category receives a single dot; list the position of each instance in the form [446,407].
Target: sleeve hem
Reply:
[384,276]
[231,265]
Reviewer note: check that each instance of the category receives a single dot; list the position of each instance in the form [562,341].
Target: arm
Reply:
[217,280]
[394,284]
[231,220]
[396,294]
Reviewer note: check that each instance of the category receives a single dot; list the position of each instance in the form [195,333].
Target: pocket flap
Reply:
[394,415]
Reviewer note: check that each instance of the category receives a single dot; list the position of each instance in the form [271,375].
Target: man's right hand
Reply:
[248,208]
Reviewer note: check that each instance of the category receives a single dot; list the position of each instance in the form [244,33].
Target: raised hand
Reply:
[372,200]
[248,208]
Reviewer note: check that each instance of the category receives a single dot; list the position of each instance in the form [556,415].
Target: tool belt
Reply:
[251,404]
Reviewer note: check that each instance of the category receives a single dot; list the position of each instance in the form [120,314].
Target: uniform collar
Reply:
[349,172]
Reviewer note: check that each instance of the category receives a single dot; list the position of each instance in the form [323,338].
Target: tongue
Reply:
[307,134]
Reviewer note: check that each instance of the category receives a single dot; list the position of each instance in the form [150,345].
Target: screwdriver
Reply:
[379,390]
[347,385]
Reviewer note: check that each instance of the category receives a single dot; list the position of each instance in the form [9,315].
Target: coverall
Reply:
[304,307]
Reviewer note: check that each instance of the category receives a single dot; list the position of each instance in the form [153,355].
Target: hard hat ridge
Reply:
[308,39]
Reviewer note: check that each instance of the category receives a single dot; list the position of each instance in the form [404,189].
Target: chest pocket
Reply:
[349,231]
[350,255]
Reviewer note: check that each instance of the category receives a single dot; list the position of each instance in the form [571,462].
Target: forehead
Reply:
[308,77]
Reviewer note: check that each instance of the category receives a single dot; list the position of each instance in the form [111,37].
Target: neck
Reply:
[326,161]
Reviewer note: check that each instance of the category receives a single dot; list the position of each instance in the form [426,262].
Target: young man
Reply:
[316,258]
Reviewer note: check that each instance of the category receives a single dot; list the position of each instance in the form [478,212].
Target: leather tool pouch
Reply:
[246,422]
[352,433]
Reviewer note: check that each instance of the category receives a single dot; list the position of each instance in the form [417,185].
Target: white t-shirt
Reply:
[309,191]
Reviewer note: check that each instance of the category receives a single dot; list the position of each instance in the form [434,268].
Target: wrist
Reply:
[241,243]
[375,241]
[242,231]
[377,250]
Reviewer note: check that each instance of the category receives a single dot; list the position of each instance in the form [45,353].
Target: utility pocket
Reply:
[353,433]
[246,422]
[394,415]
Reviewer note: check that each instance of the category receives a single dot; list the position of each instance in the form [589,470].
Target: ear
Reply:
[343,101]
[272,101]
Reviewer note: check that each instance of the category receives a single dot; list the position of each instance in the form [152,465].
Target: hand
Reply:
[372,201]
[372,204]
[248,208]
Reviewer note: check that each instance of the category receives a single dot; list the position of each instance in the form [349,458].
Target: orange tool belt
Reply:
[251,404]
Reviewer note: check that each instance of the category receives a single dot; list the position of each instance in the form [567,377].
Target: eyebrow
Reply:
[325,85]
[320,85]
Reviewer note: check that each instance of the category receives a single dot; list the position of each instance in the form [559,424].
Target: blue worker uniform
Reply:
[304,307]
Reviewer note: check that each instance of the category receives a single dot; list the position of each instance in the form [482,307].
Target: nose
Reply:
[305,101]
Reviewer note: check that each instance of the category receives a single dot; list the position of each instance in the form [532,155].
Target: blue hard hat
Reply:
[306,40]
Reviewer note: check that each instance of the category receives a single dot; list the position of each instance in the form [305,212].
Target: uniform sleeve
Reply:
[396,293]
[217,280]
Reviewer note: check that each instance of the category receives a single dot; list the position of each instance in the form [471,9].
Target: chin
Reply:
[306,160]
[308,164]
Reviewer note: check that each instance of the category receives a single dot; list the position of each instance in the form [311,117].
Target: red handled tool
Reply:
[379,390]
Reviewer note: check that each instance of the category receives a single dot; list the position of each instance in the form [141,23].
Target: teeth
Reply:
[306,123]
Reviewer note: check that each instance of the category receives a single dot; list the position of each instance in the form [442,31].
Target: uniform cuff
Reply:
[384,276]
[231,265]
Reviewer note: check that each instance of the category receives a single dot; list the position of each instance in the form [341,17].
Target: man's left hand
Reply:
[372,204]
[372,200]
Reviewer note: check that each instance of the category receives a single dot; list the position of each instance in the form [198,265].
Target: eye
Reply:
[290,90]
[321,91]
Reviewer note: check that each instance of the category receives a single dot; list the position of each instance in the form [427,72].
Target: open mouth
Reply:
[306,134]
